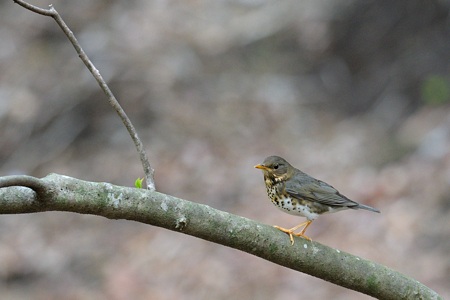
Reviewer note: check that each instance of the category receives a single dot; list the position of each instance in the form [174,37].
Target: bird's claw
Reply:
[291,233]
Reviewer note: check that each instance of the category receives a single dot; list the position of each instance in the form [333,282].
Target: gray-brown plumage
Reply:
[297,193]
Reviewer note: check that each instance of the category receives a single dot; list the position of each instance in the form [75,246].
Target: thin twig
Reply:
[38,10]
[36,184]
[51,12]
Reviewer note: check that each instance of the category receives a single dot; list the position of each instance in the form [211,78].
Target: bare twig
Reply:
[33,183]
[51,12]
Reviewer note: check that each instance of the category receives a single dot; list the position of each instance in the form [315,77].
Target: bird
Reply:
[297,193]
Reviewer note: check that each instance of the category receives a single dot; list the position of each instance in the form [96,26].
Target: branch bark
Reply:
[61,193]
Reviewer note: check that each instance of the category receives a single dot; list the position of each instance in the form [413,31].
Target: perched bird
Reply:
[297,193]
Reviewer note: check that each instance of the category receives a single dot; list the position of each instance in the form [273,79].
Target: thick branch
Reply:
[51,12]
[114,202]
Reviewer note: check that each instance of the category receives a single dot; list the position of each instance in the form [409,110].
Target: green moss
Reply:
[372,283]
[436,90]
[273,249]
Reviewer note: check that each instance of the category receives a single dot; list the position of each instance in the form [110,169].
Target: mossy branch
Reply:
[61,193]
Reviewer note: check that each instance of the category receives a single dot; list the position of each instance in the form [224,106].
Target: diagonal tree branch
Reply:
[62,193]
[51,12]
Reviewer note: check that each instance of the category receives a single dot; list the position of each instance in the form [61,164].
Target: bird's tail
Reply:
[366,207]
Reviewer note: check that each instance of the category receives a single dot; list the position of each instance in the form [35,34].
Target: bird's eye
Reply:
[275,166]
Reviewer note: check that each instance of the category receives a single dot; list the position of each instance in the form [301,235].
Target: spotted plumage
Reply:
[297,193]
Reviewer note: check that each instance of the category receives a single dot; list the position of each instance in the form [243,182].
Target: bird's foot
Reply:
[303,236]
[291,231]
[288,231]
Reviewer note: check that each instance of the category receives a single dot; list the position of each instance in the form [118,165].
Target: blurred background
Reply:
[356,93]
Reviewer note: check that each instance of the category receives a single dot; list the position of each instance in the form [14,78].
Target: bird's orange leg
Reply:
[291,231]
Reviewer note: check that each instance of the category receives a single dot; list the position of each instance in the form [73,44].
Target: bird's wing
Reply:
[318,191]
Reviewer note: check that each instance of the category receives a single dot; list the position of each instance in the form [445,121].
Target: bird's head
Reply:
[276,168]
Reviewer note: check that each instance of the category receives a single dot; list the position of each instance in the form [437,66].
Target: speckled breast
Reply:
[291,205]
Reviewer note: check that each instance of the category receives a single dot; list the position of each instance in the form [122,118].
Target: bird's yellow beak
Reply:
[262,167]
